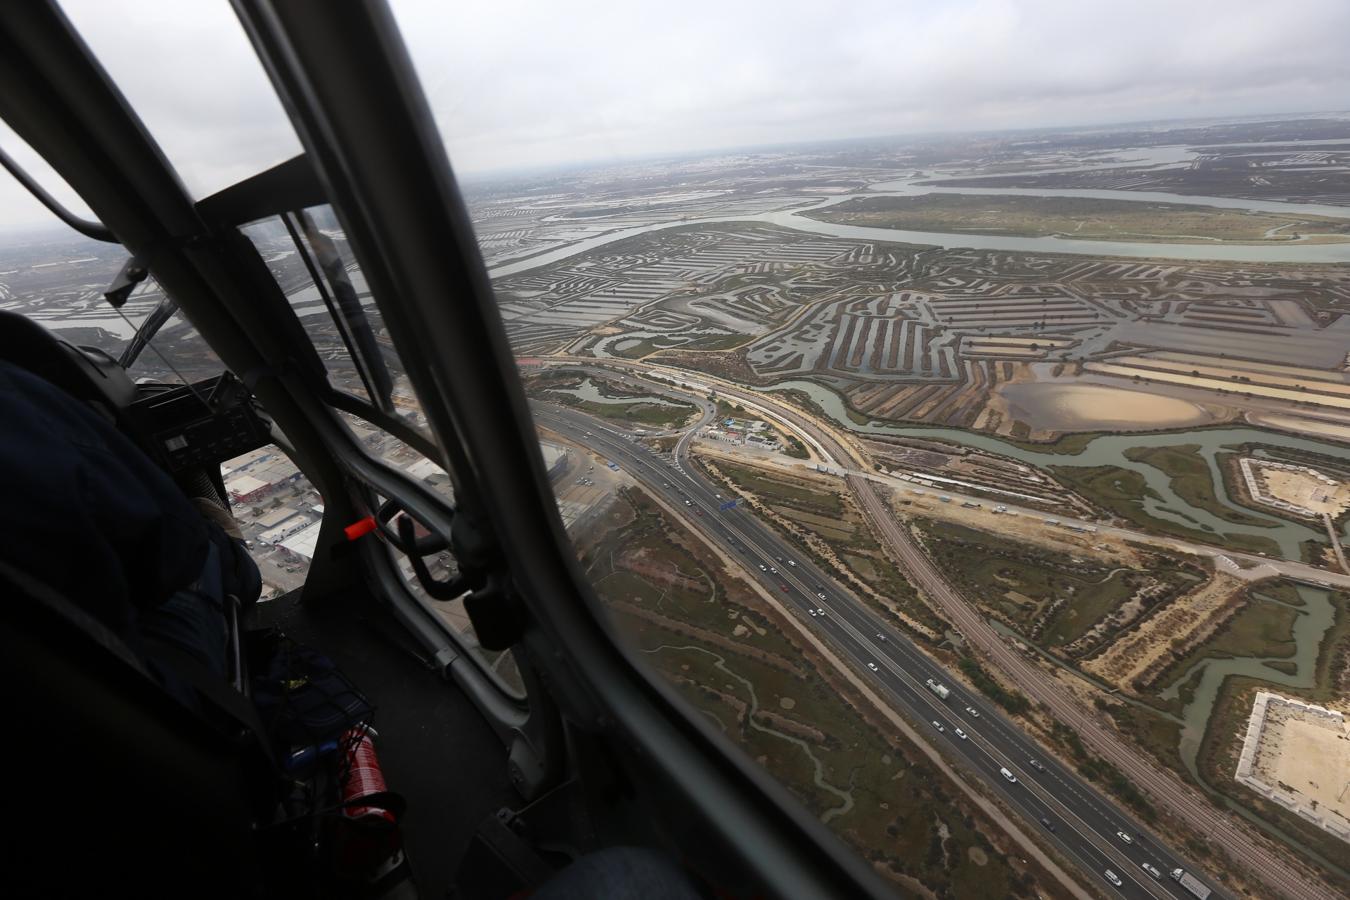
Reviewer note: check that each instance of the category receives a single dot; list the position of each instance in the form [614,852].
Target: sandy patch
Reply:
[1214,383]
[1314,759]
[1298,754]
[1087,407]
[1303,488]
[1136,658]
[1298,423]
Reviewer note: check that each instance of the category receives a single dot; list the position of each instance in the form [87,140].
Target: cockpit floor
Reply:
[434,746]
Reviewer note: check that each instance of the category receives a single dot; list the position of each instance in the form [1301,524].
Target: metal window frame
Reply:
[351,90]
[352,94]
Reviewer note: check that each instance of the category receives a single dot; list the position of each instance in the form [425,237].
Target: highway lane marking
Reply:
[769,556]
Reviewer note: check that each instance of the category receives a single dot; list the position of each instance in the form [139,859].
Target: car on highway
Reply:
[938,726]
[1124,837]
[1112,877]
[872,666]
[973,712]
[819,611]
[881,637]
[821,595]
[812,612]
[688,503]
[1036,764]
[1151,869]
[773,570]
[784,587]
[1008,776]
[959,733]
[1049,826]
[763,568]
[791,563]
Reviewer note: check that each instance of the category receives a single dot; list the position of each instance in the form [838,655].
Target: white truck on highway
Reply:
[940,689]
[1194,886]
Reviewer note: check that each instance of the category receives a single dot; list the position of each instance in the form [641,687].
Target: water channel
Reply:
[1272,251]
[1108,450]
[590,392]
[1310,625]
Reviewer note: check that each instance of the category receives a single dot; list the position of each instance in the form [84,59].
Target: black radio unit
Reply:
[200,425]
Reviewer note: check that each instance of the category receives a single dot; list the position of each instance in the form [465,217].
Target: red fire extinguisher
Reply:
[369,846]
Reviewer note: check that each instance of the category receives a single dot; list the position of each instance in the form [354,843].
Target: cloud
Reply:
[515,83]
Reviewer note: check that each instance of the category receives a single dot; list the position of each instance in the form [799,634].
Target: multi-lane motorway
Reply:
[1084,826]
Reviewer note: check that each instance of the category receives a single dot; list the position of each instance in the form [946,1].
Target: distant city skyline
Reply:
[518,85]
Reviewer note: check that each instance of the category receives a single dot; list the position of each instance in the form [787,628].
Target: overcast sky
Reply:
[526,84]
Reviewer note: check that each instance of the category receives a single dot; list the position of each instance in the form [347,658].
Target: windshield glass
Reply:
[896,359]
[191,75]
[950,402]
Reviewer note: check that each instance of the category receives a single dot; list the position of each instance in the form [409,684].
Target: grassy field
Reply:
[1021,583]
[652,415]
[1192,480]
[1080,218]
[1263,628]
[825,512]
[1122,492]
[753,678]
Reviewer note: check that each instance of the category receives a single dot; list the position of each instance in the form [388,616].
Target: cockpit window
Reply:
[307,253]
[213,112]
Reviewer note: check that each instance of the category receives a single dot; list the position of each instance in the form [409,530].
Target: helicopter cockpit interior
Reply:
[331,311]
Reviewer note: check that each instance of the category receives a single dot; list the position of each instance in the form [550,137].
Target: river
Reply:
[1108,450]
[1273,251]
[590,392]
[1314,618]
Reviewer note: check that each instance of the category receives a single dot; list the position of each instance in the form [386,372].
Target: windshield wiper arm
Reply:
[352,317]
[162,312]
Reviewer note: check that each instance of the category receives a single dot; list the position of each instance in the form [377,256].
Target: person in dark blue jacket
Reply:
[87,513]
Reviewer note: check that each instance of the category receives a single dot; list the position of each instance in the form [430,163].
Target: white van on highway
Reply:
[1011,778]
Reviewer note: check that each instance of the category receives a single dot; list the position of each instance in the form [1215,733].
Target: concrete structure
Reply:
[302,542]
[1266,759]
[1255,481]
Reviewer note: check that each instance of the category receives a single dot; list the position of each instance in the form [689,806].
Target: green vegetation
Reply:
[1013,701]
[652,415]
[795,448]
[1122,492]
[1217,760]
[1081,218]
[822,511]
[1045,595]
[1068,444]
[1192,480]
[1099,770]
[1153,731]
[1262,628]
[735,661]
[783,491]
[718,342]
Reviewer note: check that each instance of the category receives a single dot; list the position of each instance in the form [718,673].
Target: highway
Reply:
[1239,840]
[1086,824]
